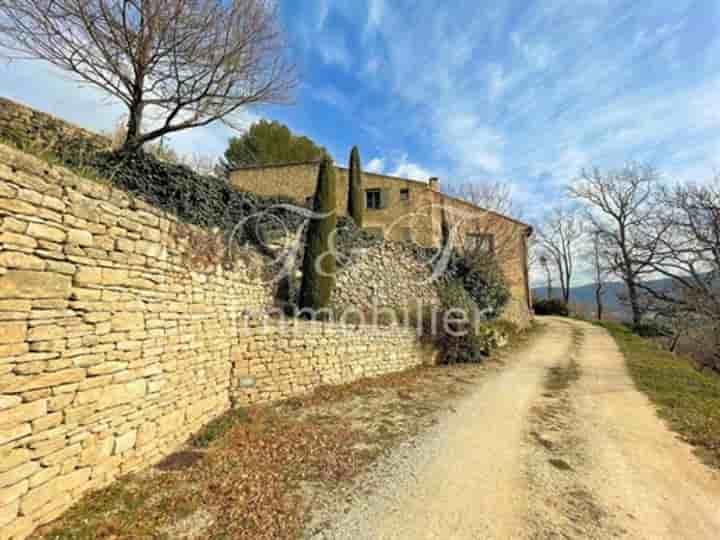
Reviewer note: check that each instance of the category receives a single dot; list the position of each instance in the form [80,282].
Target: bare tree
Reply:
[688,253]
[559,236]
[495,196]
[188,62]
[545,264]
[599,274]
[621,205]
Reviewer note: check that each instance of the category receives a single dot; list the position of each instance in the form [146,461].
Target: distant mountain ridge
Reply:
[612,292]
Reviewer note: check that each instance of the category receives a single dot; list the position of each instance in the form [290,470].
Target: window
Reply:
[405,195]
[373,199]
[481,242]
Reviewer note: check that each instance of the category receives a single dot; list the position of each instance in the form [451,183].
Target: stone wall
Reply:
[388,274]
[114,348]
[26,127]
[276,360]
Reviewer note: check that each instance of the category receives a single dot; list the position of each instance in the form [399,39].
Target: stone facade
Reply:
[411,210]
[401,216]
[114,349]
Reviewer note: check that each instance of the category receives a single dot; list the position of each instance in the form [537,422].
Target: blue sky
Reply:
[524,92]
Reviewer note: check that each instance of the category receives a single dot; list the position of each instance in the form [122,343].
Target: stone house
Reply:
[401,209]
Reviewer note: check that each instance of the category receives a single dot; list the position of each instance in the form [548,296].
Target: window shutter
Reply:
[383,198]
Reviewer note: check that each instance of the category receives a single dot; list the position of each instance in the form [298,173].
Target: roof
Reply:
[398,178]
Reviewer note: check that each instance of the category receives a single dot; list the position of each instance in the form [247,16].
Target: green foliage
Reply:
[484,281]
[553,306]
[460,331]
[356,204]
[650,329]
[206,201]
[200,200]
[319,262]
[218,427]
[267,143]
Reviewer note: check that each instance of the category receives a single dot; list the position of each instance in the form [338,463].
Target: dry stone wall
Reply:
[387,274]
[114,348]
[26,127]
[276,360]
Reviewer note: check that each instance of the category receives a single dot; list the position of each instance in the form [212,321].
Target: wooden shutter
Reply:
[384,196]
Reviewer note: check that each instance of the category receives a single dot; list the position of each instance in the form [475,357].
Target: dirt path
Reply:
[558,445]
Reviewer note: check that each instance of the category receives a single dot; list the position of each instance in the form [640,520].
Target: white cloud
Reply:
[376,165]
[407,169]
[401,167]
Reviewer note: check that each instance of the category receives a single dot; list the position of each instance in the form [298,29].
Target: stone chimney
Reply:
[434,183]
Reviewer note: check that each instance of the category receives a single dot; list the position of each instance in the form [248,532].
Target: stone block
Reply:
[13,332]
[22,261]
[45,232]
[16,206]
[45,380]
[19,473]
[46,332]
[112,276]
[125,442]
[13,493]
[44,475]
[12,433]
[8,513]
[80,237]
[87,275]
[30,284]
[13,457]
[122,322]
[23,412]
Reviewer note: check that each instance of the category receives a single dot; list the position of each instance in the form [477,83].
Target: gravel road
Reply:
[557,445]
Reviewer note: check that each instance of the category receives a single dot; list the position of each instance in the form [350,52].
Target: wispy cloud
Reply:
[375,165]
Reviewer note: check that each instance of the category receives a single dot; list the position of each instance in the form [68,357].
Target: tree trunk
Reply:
[134,127]
[634,303]
[549,287]
[599,302]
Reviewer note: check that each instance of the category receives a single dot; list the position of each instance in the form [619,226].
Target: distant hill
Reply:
[612,292]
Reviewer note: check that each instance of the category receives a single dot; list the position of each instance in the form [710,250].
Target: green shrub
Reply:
[468,338]
[484,281]
[318,271]
[206,201]
[218,427]
[553,306]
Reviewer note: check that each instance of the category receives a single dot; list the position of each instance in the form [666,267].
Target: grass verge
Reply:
[687,398]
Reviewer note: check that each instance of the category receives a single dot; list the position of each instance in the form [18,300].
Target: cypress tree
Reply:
[355,192]
[318,271]
[444,229]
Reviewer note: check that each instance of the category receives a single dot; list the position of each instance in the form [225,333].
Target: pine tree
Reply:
[318,273]
[355,191]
